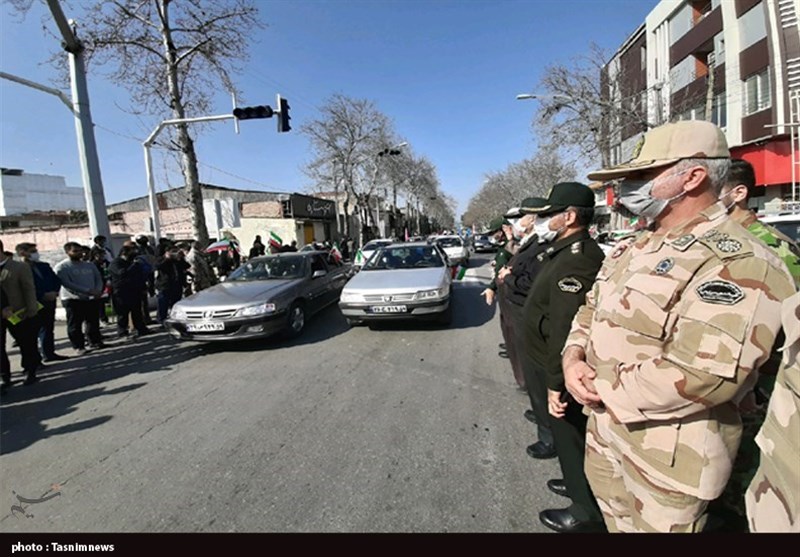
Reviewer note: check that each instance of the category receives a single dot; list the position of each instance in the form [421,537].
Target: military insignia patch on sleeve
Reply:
[664,266]
[720,292]
[729,245]
[570,284]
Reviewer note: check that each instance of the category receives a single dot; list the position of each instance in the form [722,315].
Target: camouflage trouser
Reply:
[768,508]
[631,500]
[730,506]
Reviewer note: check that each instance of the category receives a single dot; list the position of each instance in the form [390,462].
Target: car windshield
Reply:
[270,268]
[404,258]
[376,244]
[449,242]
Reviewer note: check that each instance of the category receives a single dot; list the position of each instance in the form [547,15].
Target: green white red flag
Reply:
[275,241]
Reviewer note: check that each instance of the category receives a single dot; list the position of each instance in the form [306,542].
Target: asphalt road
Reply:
[406,428]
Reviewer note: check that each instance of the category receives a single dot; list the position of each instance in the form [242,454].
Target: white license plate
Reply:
[388,309]
[205,326]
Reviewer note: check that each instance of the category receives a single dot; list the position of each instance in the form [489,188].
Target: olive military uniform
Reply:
[568,271]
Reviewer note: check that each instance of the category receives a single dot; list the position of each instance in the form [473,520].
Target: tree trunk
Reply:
[191,177]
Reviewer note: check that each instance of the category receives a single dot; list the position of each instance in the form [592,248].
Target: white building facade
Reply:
[22,193]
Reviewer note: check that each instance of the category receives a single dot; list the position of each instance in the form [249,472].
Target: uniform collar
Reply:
[562,243]
[684,233]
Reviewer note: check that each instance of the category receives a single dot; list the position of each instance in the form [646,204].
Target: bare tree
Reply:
[581,108]
[172,57]
[346,140]
[531,177]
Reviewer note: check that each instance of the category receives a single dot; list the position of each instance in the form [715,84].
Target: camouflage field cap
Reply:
[496,224]
[667,144]
[563,195]
[532,205]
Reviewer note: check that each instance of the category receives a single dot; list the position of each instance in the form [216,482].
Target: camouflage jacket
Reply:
[773,502]
[779,242]
[675,327]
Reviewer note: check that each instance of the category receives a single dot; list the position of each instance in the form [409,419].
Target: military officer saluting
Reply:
[569,261]
[671,337]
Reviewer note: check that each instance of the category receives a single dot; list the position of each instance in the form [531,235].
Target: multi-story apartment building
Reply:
[733,62]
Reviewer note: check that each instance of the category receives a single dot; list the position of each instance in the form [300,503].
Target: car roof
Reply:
[780,218]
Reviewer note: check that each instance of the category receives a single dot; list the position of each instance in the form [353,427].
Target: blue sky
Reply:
[446,72]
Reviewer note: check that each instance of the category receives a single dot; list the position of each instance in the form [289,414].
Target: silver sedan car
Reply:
[400,281]
[264,296]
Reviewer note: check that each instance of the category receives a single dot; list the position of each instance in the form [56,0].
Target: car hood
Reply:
[400,280]
[235,293]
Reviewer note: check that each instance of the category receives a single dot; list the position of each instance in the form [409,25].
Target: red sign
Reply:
[772,161]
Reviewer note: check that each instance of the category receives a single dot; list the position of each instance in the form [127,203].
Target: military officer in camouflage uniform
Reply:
[569,264]
[671,337]
[740,184]
[773,498]
[729,509]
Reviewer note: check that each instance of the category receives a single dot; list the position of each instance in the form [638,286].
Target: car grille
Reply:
[379,298]
[210,314]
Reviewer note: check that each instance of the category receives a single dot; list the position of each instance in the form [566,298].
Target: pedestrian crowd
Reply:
[664,377]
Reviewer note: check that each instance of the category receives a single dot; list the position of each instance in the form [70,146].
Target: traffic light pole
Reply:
[84,128]
[148,162]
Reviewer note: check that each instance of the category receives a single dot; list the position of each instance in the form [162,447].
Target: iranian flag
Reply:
[275,241]
[359,259]
[459,272]
[335,252]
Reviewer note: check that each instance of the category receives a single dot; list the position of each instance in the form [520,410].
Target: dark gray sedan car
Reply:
[264,296]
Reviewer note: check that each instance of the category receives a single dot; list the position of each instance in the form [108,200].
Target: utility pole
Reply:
[84,128]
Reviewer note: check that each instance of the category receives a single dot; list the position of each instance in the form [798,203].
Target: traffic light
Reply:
[250,112]
[283,114]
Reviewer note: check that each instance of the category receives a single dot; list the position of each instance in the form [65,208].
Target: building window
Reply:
[757,93]
[719,111]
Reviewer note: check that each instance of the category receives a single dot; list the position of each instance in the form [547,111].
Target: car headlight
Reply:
[432,294]
[177,313]
[258,309]
[349,297]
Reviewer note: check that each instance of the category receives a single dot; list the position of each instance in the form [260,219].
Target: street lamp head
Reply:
[525,96]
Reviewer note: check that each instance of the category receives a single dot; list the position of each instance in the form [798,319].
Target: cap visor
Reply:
[622,170]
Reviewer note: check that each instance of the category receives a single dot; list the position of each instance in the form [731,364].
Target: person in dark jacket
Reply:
[148,256]
[258,248]
[170,280]
[47,286]
[128,281]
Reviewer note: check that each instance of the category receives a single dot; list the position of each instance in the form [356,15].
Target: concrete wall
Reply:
[38,192]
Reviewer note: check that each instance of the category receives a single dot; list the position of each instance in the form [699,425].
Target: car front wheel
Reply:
[296,319]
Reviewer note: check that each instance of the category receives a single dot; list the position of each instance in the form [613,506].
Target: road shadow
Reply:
[64,385]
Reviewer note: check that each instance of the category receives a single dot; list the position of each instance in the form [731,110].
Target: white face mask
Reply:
[543,232]
[34,256]
[636,197]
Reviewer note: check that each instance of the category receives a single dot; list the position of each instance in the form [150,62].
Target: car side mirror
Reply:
[318,273]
